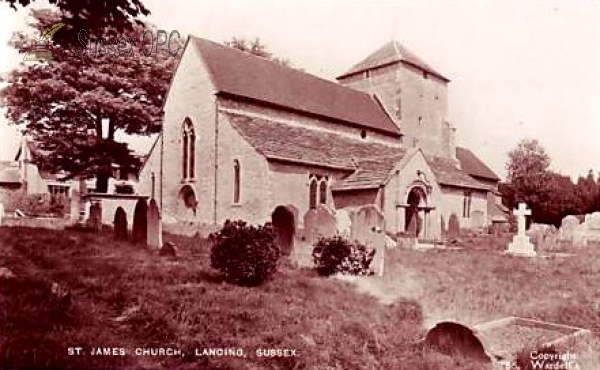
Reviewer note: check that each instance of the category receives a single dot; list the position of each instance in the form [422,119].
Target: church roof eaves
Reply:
[242,74]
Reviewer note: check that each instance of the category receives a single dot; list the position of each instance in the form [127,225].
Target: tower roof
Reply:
[391,53]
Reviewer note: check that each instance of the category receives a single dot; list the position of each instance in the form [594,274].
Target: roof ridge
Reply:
[243,75]
[279,65]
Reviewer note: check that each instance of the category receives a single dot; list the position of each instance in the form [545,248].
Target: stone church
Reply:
[248,138]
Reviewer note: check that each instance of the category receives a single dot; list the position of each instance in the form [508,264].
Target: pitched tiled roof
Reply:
[390,53]
[283,142]
[474,166]
[9,173]
[371,173]
[242,74]
[447,173]
[498,212]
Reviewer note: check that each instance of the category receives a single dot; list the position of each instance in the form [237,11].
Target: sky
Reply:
[519,69]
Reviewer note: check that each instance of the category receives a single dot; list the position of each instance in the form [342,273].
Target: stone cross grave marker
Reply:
[521,244]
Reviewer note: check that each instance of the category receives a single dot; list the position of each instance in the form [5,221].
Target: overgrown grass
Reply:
[127,296]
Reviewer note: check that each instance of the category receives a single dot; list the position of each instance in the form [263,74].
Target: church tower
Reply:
[413,93]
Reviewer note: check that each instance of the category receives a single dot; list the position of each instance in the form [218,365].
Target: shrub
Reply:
[337,254]
[245,254]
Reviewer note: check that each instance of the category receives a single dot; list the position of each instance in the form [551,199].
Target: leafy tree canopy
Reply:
[550,195]
[61,103]
[255,47]
[95,16]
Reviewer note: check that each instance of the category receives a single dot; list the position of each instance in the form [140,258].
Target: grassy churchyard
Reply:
[125,298]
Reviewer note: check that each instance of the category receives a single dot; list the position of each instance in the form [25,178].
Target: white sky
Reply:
[519,69]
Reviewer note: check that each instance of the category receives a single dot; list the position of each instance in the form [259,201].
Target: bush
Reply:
[337,254]
[245,254]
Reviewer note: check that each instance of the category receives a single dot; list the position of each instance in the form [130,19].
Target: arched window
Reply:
[323,192]
[236,181]
[188,150]
[312,199]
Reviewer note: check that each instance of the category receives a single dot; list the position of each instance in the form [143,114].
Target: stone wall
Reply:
[452,202]
[192,96]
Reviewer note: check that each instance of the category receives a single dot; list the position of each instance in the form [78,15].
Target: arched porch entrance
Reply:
[284,225]
[416,212]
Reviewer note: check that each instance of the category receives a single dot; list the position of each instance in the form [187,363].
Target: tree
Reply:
[529,175]
[587,193]
[94,16]
[62,103]
[562,200]
[255,47]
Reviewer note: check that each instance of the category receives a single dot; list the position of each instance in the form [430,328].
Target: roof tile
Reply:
[474,166]
[447,172]
[280,141]
[245,75]
[392,52]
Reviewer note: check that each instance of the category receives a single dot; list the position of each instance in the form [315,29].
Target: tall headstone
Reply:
[319,223]
[120,224]
[95,218]
[139,233]
[368,229]
[521,244]
[343,223]
[154,232]
[568,227]
[1,213]
[453,226]
[592,227]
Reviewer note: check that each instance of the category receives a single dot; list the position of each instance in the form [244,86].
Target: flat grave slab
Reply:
[499,342]
[504,338]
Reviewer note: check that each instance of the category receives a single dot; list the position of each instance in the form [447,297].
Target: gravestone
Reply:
[568,227]
[343,223]
[537,233]
[168,250]
[139,233]
[368,229]
[120,224]
[283,220]
[521,244]
[453,226]
[592,221]
[319,223]
[95,218]
[1,212]
[592,227]
[543,236]
[154,232]
[477,219]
